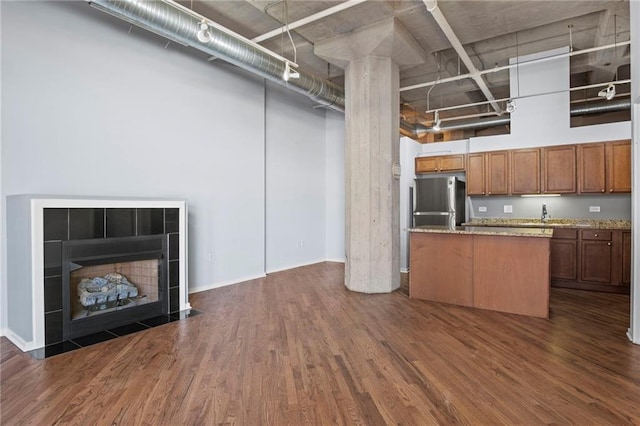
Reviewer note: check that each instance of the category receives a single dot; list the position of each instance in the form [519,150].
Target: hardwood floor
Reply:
[298,348]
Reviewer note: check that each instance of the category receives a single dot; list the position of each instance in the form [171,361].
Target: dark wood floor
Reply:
[297,348]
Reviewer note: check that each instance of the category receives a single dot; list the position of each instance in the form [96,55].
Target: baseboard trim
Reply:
[286,268]
[22,344]
[225,283]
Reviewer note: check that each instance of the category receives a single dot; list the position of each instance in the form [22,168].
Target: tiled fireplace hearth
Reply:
[76,266]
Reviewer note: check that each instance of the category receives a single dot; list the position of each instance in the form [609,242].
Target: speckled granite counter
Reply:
[552,223]
[487,230]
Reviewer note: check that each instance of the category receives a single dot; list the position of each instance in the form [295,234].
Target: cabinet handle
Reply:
[608,244]
[603,190]
[489,192]
[482,192]
[611,190]
[595,235]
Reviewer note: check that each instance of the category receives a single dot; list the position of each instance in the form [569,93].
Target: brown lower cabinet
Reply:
[591,259]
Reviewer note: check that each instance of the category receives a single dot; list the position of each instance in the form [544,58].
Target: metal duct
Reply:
[177,24]
[419,130]
[182,27]
[608,106]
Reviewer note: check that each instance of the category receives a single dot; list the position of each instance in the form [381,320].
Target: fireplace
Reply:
[112,282]
[131,254]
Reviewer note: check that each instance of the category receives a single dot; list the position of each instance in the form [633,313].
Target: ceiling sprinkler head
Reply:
[609,92]
[511,106]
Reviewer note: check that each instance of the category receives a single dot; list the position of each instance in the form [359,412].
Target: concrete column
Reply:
[371,57]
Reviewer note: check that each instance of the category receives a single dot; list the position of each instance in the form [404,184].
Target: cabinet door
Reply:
[525,171]
[591,168]
[426,164]
[559,169]
[475,174]
[595,261]
[497,178]
[563,260]
[626,258]
[452,163]
[619,166]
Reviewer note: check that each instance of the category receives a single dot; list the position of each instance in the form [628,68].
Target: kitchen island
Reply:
[497,268]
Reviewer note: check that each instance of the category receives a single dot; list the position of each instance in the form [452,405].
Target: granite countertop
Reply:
[553,223]
[486,230]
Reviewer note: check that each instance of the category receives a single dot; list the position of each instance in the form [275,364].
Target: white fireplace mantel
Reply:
[25,257]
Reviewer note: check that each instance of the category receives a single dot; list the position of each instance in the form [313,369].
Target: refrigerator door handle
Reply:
[431,213]
[451,189]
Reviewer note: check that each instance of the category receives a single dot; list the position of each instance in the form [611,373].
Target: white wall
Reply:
[408,151]
[295,180]
[634,330]
[3,239]
[335,195]
[90,109]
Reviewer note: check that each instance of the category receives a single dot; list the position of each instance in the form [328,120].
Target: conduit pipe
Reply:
[173,22]
[181,25]
[309,19]
[519,64]
[419,130]
[432,7]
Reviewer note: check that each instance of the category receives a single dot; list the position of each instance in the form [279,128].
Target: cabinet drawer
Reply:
[565,234]
[596,234]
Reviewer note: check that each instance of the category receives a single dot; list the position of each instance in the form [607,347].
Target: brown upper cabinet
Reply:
[604,167]
[525,171]
[559,169]
[619,166]
[488,173]
[443,163]
[591,168]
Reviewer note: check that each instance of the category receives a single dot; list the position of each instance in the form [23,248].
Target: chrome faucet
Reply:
[545,214]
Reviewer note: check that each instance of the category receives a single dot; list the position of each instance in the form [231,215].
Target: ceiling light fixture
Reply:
[204,35]
[436,121]
[609,92]
[289,72]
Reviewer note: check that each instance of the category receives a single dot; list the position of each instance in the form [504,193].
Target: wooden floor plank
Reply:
[298,348]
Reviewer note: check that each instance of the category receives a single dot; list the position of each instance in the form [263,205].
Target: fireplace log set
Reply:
[110,291]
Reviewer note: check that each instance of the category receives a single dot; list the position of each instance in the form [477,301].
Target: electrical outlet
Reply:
[482,209]
[508,208]
[594,209]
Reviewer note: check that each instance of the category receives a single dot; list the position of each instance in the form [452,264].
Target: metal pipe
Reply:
[172,21]
[309,19]
[519,64]
[418,130]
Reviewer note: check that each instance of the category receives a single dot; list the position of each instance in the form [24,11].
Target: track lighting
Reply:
[204,35]
[289,72]
[436,121]
[609,92]
[511,106]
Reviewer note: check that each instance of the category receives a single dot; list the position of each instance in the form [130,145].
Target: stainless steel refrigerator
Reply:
[439,201]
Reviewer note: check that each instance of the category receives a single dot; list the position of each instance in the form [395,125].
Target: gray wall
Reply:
[91,109]
[295,180]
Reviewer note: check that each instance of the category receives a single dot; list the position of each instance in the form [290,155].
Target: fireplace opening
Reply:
[112,287]
[112,282]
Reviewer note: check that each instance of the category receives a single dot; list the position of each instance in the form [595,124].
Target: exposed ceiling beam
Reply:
[432,7]
[309,19]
